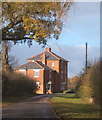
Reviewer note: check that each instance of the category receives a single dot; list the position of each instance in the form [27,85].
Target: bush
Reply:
[85,89]
[90,84]
[96,86]
[72,83]
[14,84]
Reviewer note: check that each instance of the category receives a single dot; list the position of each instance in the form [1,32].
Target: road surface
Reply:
[34,107]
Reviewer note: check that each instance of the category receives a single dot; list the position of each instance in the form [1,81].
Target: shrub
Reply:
[96,83]
[90,84]
[72,83]
[14,84]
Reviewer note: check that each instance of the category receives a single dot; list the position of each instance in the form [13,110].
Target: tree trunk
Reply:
[5,57]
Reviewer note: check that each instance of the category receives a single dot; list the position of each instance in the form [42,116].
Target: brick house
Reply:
[48,70]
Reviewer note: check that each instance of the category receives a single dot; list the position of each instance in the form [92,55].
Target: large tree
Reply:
[8,61]
[28,21]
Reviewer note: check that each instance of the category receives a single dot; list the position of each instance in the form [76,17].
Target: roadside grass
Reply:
[68,106]
[6,101]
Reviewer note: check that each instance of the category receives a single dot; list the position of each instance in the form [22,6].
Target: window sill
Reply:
[36,76]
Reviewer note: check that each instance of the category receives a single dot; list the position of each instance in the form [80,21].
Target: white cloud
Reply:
[74,54]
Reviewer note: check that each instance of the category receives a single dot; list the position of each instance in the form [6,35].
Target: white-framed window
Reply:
[49,74]
[61,74]
[53,64]
[62,86]
[22,71]
[36,73]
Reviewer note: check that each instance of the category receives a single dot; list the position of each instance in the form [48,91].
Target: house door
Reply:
[49,87]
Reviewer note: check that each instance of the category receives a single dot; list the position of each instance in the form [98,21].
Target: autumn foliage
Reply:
[90,84]
[29,21]
[72,82]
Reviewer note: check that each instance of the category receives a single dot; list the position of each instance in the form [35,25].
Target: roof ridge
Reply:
[35,55]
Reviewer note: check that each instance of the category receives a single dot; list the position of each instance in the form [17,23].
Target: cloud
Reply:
[74,54]
[81,26]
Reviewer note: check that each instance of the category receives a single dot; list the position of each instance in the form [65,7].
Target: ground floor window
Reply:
[36,73]
[62,86]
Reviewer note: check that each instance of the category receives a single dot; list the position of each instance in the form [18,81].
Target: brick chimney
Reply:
[44,61]
[48,49]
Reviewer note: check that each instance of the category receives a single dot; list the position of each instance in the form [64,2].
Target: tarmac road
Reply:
[34,107]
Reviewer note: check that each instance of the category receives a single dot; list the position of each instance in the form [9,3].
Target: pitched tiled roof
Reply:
[29,65]
[59,57]
[44,66]
[34,65]
[49,56]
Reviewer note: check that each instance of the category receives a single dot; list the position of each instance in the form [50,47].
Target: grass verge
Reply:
[68,106]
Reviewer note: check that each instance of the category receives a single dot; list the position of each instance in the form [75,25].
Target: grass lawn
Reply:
[6,101]
[68,106]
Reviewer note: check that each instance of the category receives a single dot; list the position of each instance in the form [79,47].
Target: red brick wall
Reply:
[41,80]
[55,76]
[59,67]
[57,80]
[63,76]
[30,73]
[56,66]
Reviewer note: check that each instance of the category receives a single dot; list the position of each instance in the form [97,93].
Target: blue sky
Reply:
[81,25]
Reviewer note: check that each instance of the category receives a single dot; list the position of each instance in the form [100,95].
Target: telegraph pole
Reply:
[86,57]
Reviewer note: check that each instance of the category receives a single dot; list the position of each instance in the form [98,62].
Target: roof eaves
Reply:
[20,66]
[64,59]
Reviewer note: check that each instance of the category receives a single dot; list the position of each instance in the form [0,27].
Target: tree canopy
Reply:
[27,21]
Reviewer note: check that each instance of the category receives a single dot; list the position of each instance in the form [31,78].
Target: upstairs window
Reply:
[61,64]
[36,73]
[61,74]
[53,64]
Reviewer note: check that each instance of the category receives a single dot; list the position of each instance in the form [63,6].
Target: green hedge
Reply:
[14,84]
[90,84]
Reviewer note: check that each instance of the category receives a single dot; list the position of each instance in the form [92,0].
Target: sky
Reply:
[82,25]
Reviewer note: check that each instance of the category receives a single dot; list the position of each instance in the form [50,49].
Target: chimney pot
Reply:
[48,49]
